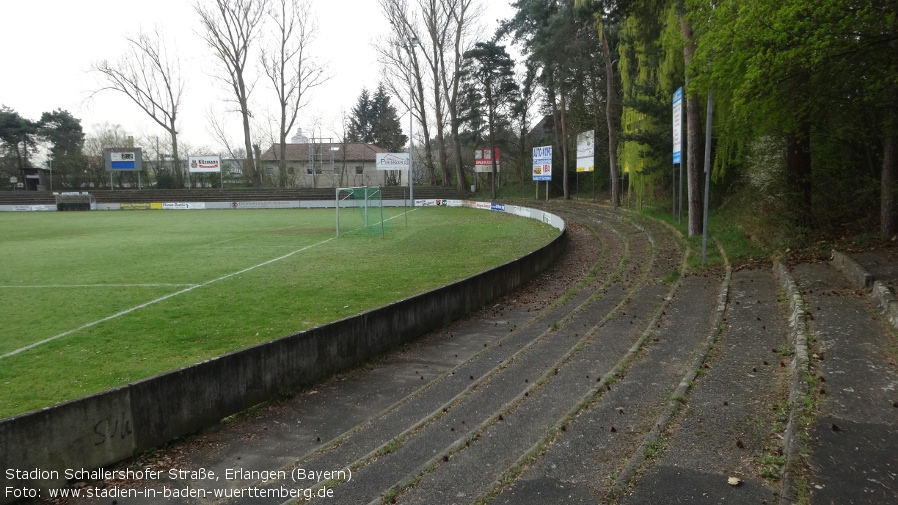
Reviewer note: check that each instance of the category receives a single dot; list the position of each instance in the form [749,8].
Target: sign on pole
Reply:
[483,160]
[677,125]
[542,163]
[204,164]
[123,158]
[586,151]
[391,161]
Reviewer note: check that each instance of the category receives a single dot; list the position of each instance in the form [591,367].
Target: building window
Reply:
[359,170]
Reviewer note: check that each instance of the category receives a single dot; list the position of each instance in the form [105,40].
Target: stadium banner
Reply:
[498,207]
[542,163]
[138,206]
[265,204]
[391,161]
[586,151]
[203,164]
[123,158]
[32,208]
[183,206]
[520,211]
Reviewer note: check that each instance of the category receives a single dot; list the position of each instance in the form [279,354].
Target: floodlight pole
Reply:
[409,45]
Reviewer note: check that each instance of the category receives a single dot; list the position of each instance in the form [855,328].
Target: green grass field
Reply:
[113,297]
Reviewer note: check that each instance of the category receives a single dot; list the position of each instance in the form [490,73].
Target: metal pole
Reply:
[707,178]
[673,186]
[383,232]
[680,199]
[411,122]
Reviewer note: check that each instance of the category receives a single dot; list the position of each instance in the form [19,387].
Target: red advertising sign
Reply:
[485,156]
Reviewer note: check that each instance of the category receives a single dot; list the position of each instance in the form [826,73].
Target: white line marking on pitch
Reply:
[43,286]
[160,299]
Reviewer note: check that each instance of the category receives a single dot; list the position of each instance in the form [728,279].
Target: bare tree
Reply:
[397,54]
[230,27]
[218,130]
[436,23]
[151,79]
[445,26]
[292,71]
[461,13]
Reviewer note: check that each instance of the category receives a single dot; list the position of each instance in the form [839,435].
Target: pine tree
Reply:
[387,129]
[374,120]
[489,83]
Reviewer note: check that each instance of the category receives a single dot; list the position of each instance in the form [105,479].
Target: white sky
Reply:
[51,44]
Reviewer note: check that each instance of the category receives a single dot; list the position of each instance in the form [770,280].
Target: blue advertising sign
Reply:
[677,126]
[123,158]
[542,163]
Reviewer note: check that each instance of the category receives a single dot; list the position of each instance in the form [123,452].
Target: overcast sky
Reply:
[50,45]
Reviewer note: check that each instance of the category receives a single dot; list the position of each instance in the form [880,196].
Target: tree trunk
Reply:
[887,192]
[556,118]
[461,181]
[249,165]
[420,103]
[798,175]
[282,160]
[439,119]
[442,157]
[693,138]
[179,176]
[611,118]
[492,114]
[564,148]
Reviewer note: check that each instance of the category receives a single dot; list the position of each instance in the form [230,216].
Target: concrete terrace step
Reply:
[854,439]
[604,386]
[424,429]
[369,414]
[729,427]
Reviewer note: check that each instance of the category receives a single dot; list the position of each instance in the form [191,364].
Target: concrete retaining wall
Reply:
[108,427]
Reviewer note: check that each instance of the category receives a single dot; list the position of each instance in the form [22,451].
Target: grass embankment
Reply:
[232,279]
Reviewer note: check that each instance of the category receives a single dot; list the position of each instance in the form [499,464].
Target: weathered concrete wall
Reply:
[108,427]
[85,433]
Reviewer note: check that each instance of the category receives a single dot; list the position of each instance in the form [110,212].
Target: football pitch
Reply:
[94,300]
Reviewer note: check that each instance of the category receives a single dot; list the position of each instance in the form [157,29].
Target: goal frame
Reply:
[365,207]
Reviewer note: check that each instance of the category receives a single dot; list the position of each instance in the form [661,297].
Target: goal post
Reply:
[360,210]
